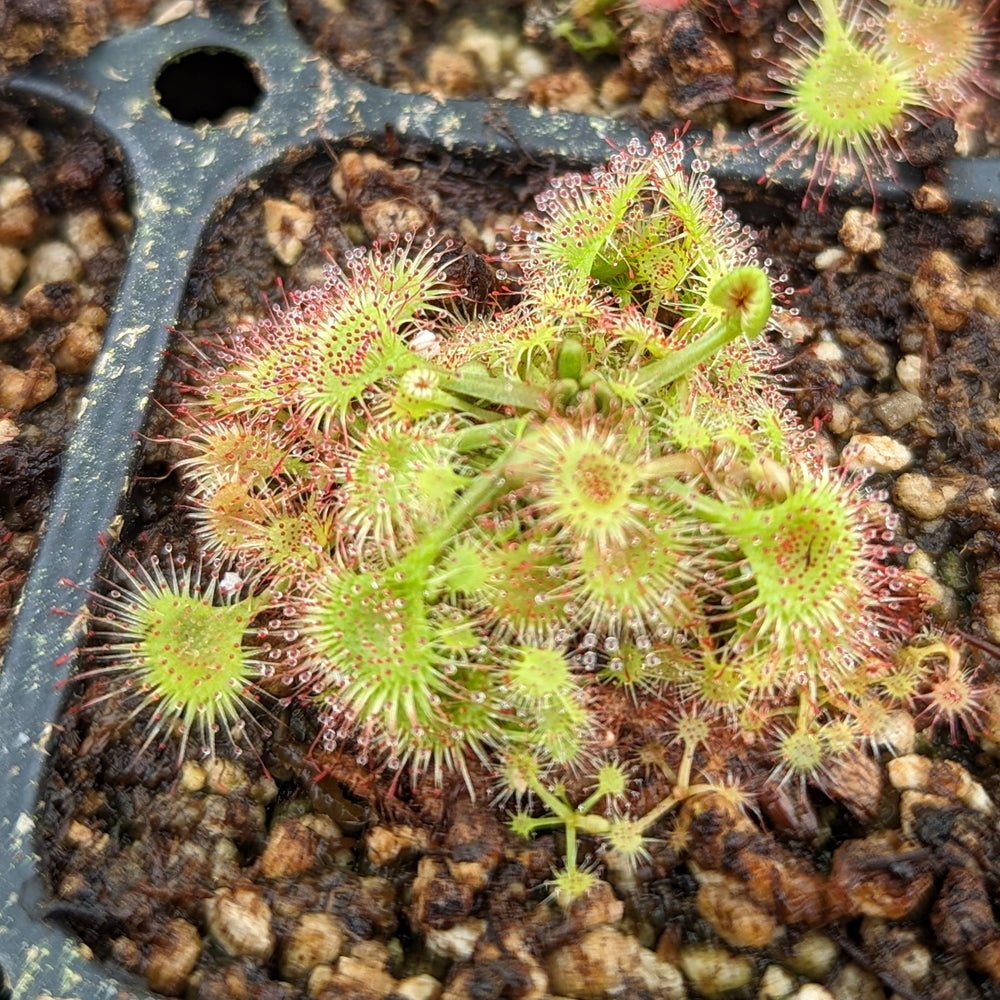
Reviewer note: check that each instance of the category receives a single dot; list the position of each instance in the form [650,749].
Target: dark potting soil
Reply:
[64,230]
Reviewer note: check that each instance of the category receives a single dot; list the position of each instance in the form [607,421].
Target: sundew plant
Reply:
[852,77]
[507,541]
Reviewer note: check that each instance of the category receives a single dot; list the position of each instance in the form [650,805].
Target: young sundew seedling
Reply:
[858,74]
[844,94]
[520,548]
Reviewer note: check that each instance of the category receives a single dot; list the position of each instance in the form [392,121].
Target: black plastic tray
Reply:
[180,177]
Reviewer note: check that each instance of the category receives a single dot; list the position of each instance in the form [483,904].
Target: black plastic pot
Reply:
[180,175]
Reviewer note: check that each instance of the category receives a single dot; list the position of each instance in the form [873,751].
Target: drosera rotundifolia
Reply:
[519,548]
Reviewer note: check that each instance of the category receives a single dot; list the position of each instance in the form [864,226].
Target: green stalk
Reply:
[829,19]
[502,391]
[744,296]
[662,373]
[488,484]
[446,401]
[500,431]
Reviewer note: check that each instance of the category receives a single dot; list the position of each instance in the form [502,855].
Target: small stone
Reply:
[931,198]
[86,232]
[510,952]
[530,63]
[832,259]
[488,48]
[351,171]
[474,844]
[420,987]
[842,420]
[79,347]
[860,232]
[910,372]
[173,10]
[18,215]
[452,73]
[12,265]
[58,301]
[598,905]
[566,91]
[941,290]
[655,100]
[14,321]
[615,90]
[53,260]
[942,777]
[918,495]
[291,849]
[855,983]
[386,217]
[385,844]
[438,900]
[898,733]
[354,970]
[173,957]
[910,772]
[776,983]
[22,390]
[812,991]
[226,777]
[714,971]
[192,777]
[593,965]
[877,452]
[723,901]
[871,356]
[371,952]
[660,979]
[316,938]
[813,956]
[286,225]
[458,941]
[897,409]
[694,53]
[328,984]
[864,873]
[240,922]
[81,837]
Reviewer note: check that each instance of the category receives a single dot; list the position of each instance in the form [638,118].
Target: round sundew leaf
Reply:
[521,589]
[645,584]
[584,480]
[181,649]
[947,44]
[845,95]
[399,481]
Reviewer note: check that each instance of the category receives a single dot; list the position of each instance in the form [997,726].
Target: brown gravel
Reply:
[63,238]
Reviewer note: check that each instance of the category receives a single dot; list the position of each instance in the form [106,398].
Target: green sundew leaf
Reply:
[584,222]
[401,480]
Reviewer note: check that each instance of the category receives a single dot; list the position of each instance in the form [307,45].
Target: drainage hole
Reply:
[206,84]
